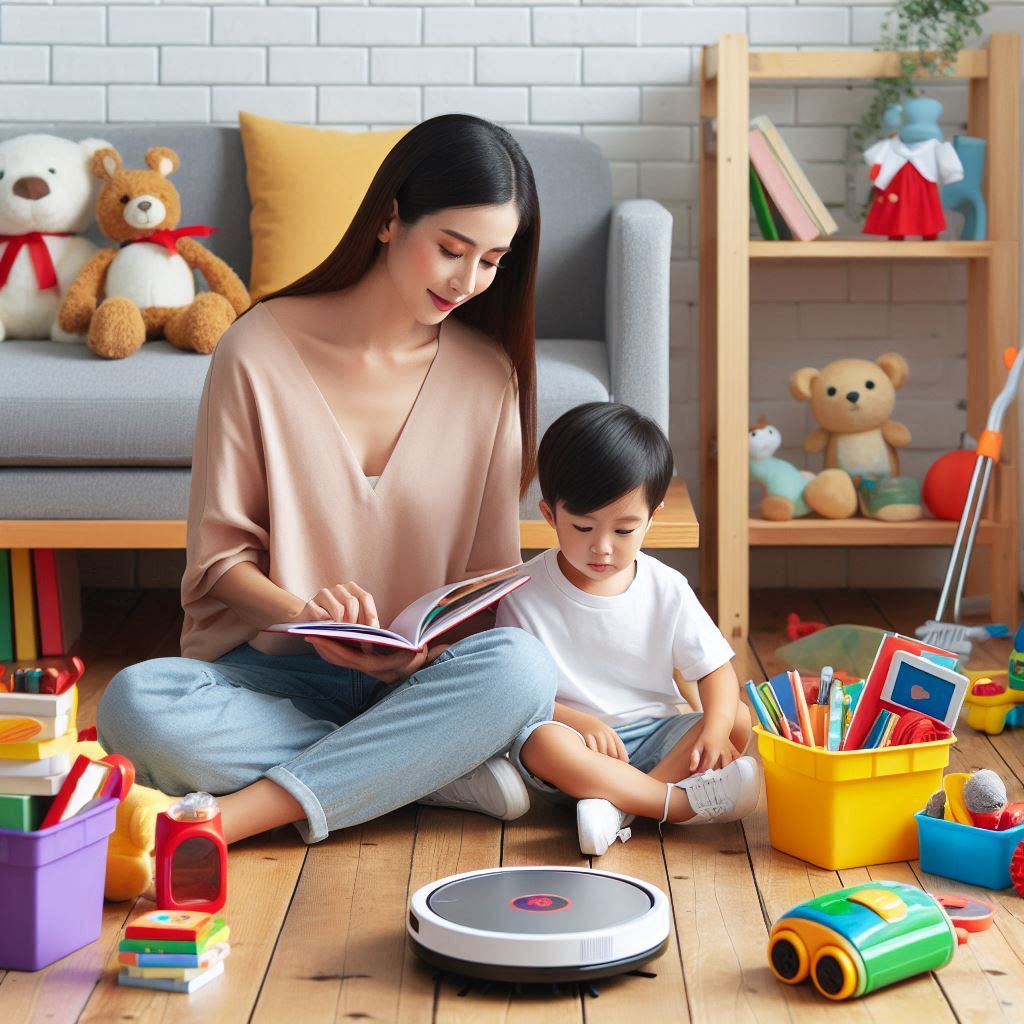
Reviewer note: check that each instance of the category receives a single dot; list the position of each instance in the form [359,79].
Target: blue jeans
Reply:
[347,747]
[648,742]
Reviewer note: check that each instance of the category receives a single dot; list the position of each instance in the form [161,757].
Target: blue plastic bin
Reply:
[968,854]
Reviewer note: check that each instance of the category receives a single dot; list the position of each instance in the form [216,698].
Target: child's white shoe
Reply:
[599,823]
[723,794]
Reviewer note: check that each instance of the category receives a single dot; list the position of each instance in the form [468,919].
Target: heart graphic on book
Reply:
[17,730]
[918,692]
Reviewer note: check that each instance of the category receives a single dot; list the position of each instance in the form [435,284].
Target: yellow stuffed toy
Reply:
[130,848]
[852,401]
[144,287]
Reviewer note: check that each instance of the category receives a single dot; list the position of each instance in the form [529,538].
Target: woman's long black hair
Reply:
[448,161]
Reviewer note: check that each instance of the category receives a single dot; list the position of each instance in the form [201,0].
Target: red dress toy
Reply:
[906,199]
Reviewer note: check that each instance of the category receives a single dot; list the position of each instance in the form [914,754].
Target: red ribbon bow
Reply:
[168,237]
[42,262]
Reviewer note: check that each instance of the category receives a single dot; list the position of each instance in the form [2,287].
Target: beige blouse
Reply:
[270,485]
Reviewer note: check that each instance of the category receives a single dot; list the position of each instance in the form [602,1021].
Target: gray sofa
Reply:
[84,438]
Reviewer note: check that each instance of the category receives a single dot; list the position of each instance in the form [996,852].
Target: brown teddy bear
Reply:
[146,288]
[852,400]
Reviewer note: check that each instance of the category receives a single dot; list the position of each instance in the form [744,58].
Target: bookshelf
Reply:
[992,77]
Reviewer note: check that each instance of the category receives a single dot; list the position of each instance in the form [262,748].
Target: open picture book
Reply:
[425,619]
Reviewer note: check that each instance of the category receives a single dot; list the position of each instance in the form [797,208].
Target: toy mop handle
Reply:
[991,440]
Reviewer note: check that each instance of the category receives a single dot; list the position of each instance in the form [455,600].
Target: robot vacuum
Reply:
[538,924]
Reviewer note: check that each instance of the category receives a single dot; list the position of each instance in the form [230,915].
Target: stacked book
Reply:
[38,736]
[40,606]
[784,201]
[173,950]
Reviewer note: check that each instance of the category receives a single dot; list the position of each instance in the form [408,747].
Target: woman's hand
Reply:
[388,668]
[344,602]
[713,749]
[348,602]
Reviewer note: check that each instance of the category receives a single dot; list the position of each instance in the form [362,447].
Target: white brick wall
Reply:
[622,73]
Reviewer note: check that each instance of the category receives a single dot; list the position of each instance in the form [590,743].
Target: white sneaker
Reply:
[494,788]
[599,823]
[723,794]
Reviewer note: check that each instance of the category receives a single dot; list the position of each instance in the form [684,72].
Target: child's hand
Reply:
[602,738]
[598,736]
[713,749]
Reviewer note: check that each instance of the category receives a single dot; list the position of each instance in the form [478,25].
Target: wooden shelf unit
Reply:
[992,79]
[674,527]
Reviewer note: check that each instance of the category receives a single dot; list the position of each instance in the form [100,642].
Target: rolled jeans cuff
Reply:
[314,828]
[516,750]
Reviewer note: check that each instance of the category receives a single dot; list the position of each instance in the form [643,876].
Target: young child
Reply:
[617,623]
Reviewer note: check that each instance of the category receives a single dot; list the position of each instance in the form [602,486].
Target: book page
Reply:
[412,621]
[90,782]
[436,611]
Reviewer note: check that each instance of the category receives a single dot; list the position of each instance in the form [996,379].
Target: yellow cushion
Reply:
[305,185]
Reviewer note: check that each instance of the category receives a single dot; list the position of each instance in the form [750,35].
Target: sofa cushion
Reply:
[94,492]
[305,185]
[60,405]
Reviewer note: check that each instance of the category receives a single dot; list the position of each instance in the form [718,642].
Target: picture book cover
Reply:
[189,961]
[777,185]
[218,932]
[87,782]
[171,984]
[425,619]
[866,711]
[798,179]
[763,213]
[23,593]
[57,599]
[182,925]
[6,608]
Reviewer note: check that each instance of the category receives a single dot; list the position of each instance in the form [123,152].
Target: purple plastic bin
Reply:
[51,888]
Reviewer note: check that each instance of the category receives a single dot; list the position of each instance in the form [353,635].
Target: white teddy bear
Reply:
[47,196]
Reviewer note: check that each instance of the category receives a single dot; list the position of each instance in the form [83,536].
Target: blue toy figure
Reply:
[920,120]
[966,196]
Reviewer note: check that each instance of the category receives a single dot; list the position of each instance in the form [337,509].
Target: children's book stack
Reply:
[173,950]
[38,734]
[785,203]
[912,694]
[40,605]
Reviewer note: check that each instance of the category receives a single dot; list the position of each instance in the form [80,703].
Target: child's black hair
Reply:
[597,452]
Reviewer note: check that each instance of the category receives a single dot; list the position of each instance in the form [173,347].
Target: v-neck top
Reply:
[275,482]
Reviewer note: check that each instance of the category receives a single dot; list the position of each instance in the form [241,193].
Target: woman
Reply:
[364,436]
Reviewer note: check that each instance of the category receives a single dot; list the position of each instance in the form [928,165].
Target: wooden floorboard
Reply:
[318,933]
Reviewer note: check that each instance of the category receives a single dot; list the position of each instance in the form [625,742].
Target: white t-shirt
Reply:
[615,655]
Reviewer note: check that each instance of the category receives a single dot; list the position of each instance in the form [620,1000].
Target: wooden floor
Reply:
[318,933]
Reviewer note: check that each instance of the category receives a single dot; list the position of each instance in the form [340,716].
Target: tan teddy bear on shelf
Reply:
[146,288]
[852,400]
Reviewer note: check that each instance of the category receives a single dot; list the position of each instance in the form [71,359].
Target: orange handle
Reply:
[990,444]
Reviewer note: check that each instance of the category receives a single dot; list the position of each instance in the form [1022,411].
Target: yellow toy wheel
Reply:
[787,956]
[833,972]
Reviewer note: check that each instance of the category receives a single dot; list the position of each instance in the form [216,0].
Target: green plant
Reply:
[928,34]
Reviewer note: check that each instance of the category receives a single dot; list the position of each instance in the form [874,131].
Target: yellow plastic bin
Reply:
[848,809]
